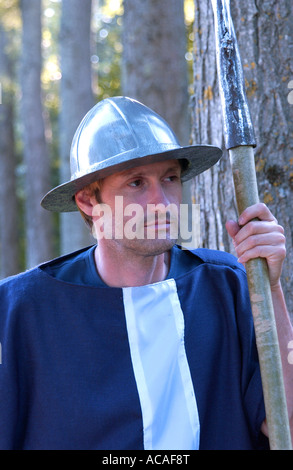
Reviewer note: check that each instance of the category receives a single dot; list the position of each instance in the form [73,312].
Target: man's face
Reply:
[142,203]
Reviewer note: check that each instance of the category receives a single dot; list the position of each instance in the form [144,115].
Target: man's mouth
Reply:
[158,222]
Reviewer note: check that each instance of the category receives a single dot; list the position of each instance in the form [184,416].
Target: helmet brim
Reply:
[200,158]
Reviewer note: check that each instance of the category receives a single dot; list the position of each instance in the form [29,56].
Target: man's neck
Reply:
[123,269]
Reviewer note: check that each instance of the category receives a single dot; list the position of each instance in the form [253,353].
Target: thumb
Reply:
[232,228]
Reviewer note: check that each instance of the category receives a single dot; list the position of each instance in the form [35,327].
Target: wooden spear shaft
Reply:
[242,161]
[239,137]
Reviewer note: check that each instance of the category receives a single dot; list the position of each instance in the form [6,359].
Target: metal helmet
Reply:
[121,133]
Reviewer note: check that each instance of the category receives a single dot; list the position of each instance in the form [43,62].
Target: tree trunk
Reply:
[154,69]
[37,165]
[76,100]
[9,214]
[265,39]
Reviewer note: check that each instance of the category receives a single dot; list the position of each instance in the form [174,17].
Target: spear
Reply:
[240,141]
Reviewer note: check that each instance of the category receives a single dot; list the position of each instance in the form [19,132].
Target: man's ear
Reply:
[85,201]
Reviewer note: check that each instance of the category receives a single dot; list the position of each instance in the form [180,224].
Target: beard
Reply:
[149,247]
[151,242]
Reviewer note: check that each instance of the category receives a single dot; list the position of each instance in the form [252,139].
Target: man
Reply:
[135,343]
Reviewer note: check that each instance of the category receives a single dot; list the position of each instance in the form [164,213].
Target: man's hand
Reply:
[263,238]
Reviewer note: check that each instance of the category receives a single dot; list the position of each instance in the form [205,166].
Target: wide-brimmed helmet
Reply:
[117,134]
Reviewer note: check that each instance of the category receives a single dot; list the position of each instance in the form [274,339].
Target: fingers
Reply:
[261,245]
[259,235]
[263,223]
[258,228]
[260,211]
[270,246]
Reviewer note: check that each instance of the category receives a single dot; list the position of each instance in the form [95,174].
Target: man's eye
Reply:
[172,178]
[135,183]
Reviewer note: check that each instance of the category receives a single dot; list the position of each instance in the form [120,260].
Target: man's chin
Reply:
[145,247]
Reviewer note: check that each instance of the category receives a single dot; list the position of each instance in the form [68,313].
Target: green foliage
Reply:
[107,56]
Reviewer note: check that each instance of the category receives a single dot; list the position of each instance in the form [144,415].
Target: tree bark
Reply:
[265,40]
[36,159]
[9,215]
[76,101]
[154,68]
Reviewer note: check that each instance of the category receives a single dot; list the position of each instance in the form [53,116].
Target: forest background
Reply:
[59,57]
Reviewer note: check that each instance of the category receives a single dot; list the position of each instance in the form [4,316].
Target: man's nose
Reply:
[157,194]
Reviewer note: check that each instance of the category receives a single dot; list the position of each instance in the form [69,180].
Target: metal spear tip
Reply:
[237,123]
